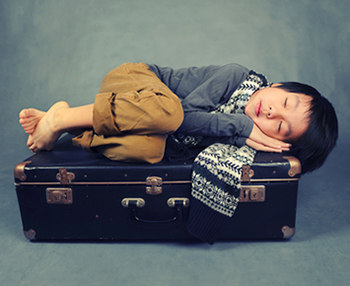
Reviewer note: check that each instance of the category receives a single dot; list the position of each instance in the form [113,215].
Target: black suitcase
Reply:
[70,194]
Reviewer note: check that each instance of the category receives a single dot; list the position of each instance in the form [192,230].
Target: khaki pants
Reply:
[133,114]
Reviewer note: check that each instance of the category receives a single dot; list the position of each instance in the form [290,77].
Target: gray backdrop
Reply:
[60,50]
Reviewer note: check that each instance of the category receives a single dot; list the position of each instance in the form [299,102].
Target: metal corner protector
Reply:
[288,232]
[29,234]
[19,171]
[295,166]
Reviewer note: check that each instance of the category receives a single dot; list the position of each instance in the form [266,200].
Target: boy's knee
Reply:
[170,118]
[175,120]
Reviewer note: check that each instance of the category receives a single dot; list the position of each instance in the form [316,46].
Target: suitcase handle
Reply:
[156,224]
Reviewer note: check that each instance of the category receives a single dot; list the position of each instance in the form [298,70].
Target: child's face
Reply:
[278,113]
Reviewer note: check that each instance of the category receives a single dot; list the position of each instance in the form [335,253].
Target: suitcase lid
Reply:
[67,164]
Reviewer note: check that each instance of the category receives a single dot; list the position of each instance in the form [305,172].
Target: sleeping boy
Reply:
[140,105]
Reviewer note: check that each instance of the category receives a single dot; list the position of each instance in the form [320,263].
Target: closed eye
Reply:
[279,126]
[285,106]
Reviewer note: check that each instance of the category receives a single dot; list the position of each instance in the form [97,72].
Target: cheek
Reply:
[264,125]
[268,127]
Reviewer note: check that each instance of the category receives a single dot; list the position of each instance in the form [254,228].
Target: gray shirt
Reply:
[201,90]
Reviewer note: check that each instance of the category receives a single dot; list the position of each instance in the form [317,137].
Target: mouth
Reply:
[258,109]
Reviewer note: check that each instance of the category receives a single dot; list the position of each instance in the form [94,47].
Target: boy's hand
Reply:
[261,142]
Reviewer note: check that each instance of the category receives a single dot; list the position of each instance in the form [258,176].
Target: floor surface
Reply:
[60,50]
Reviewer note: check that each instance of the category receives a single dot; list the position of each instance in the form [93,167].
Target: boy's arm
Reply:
[236,129]
[202,88]
[216,125]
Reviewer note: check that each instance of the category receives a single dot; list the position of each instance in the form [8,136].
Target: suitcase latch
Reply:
[60,196]
[154,184]
[65,177]
[251,194]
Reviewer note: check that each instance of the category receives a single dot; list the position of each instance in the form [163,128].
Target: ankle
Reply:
[59,118]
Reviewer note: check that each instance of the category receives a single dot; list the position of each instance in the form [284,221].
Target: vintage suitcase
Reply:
[70,194]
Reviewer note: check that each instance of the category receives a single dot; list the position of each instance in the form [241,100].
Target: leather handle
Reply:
[156,224]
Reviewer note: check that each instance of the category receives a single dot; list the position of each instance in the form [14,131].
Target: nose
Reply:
[272,112]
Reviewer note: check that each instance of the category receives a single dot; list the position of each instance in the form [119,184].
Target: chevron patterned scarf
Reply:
[217,170]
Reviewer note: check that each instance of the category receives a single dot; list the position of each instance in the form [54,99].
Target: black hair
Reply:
[321,136]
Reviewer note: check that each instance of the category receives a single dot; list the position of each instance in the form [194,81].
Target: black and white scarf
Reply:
[217,170]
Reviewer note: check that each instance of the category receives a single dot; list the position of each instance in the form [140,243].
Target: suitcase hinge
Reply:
[247,173]
[155,185]
[65,177]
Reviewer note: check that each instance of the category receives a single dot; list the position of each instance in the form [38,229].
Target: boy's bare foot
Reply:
[43,127]
[29,118]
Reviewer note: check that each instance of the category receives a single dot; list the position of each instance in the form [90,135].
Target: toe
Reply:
[30,112]
[29,130]
[30,141]
[24,113]
[27,120]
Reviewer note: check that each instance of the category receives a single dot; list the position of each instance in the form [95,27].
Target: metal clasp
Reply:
[247,173]
[252,194]
[155,185]
[65,177]
[61,196]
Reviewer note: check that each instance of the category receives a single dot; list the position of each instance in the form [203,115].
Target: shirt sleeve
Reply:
[201,91]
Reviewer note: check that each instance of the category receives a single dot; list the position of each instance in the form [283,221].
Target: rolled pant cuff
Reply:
[103,117]
[84,141]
